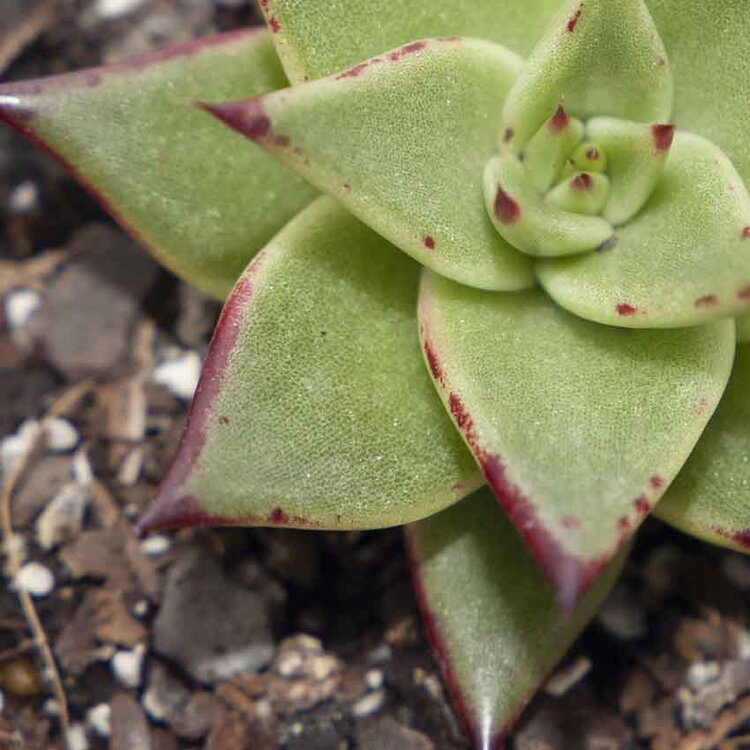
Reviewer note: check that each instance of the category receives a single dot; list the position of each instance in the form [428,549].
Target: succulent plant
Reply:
[535,214]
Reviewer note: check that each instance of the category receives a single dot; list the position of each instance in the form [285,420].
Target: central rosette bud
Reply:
[571,184]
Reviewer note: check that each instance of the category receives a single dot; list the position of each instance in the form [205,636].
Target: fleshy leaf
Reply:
[636,155]
[401,141]
[707,43]
[582,193]
[578,427]
[602,58]
[492,622]
[314,408]
[683,260]
[711,496]
[196,195]
[524,219]
[743,329]
[316,38]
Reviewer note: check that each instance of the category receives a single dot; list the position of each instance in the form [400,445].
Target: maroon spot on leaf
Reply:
[281,140]
[346,187]
[408,49]
[570,522]
[707,300]
[744,293]
[582,183]
[246,117]
[742,537]
[463,419]
[625,309]
[661,61]
[278,516]
[508,134]
[273,24]
[559,121]
[224,420]
[353,72]
[432,361]
[663,136]
[746,233]
[428,242]
[656,482]
[592,154]
[573,20]
[642,505]
[506,209]
[624,526]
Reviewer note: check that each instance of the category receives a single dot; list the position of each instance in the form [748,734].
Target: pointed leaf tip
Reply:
[246,117]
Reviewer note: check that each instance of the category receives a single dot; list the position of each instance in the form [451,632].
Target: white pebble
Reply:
[20,305]
[127,666]
[368,705]
[180,374]
[15,552]
[156,545]
[110,9]
[701,673]
[51,707]
[263,709]
[61,520]
[61,435]
[99,718]
[35,579]
[567,677]
[374,679]
[82,471]
[15,447]
[24,197]
[140,608]
[382,653]
[75,739]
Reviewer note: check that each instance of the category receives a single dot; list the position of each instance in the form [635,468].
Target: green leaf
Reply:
[601,58]
[492,621]
[202,200]
[401,141]
[316,38]
[707,43]
[710,498]
[314,408]
[743,329]
[578,427]
[683,260]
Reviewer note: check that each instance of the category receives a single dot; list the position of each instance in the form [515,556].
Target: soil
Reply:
[254,639]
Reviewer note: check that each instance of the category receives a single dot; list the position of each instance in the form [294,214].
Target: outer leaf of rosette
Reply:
[710,498]
[602,58]
[194,194]
[743,329]
[707,43]
[578,428]
[316,38]
[314,408]
[490,617]
[401,141]
[683,260]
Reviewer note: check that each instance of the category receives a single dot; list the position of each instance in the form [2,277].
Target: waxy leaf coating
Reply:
[199,197]
[683,260]
[578,428]
[492,621]
[710,498]
[314,408]
[401,141]
[316,38]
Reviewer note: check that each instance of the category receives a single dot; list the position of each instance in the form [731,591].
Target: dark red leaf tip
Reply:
[707,300]
[625,309]
[592,154]
[656,481]
[582,183]
[744,293]
[570,27]
[746,233]
[663,136]
[506,209]
[248,118]
[559,121]
[274,25]
[508,134]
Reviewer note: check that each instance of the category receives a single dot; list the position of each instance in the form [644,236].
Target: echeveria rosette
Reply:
[316,409]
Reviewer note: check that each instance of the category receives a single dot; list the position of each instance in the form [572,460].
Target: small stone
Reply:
[180,374]
[140,608]
[568,676]
[156,545]
[15,549]
[165,695]
[701,673]
[35,579]
[62,519]
[75,738]
[21,677]
[388,734]
[380,654]
[130,730]
[99,718]
[20,305]
[621,615]
[61,435]
[737,569]
[127,666]
[83,474]
[14,447]
[2,701]
[374,679]
[111,9]
[24,197]
[195,719]
[51,707]
[368,705]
